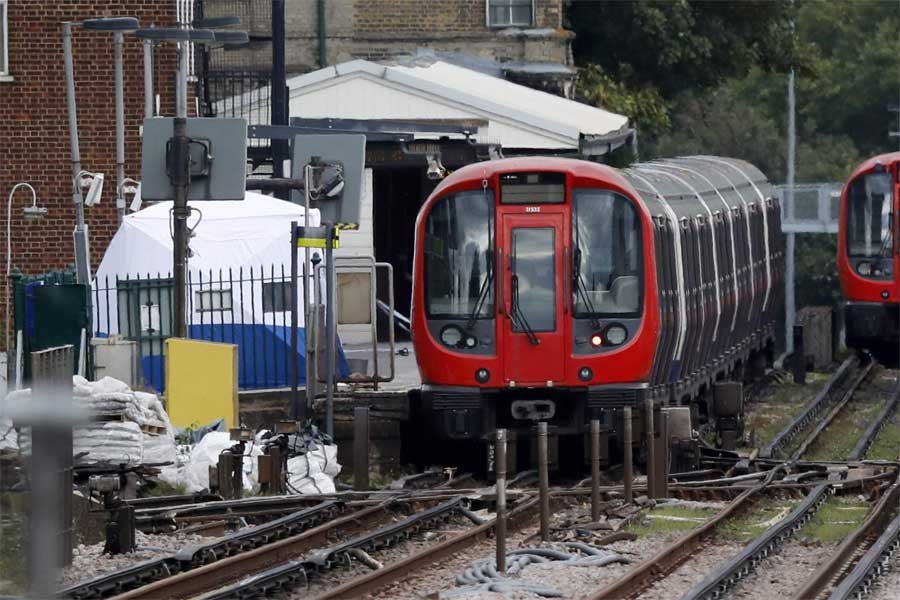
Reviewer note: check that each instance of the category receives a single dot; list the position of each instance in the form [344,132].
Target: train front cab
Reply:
[532,298]
[868,257]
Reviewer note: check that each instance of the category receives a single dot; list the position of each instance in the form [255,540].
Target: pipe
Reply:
[120,126]
[544,483]
[323,51]
[627,449]
[595,470]
[500,470]
[148,79]
[81,265]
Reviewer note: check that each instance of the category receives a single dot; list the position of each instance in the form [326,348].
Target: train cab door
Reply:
[533,330]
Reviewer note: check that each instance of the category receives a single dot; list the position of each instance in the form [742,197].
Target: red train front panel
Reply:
[534,296]
[867,259]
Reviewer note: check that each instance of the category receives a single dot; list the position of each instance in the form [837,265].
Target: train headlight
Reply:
[482,375]
[470,342]
[615,335]
[596,340]
[451,336]
[864,269]
[585,374]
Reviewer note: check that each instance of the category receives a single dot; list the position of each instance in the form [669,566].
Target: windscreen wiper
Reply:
[517,316]
[482,294]
[581,288]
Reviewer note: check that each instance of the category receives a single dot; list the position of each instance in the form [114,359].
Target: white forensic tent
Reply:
[238,284]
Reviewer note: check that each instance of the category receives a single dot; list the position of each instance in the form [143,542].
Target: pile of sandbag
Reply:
[9,438]
[313,464]
[194,473]
[127,427]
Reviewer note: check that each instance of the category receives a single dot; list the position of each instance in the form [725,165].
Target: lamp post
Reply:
[31,212]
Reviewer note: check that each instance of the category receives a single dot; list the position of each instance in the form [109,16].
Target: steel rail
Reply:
[809,413]
[635,581]
[875,427]
[293,572]
[727,575]
[823,424]
[871,566]
[375,580]
[835,565]
[201,579]
[193,556]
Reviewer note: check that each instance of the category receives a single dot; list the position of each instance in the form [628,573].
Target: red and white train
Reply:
[556,289]
[867,257]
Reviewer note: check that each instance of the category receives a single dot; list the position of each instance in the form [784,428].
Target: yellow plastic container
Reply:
[201,382]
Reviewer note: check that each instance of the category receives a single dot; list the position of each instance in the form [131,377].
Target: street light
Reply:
[119,26]
[31,212]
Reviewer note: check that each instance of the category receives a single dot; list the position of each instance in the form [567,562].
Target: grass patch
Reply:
[838,440]
[837,519]
[663,520]
[13,566]
[750,526]
[887,443]
[771,413]
[163,488]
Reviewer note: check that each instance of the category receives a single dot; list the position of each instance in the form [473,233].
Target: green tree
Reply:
[676,45]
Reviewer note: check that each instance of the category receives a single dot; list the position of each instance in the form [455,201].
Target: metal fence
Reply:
[249,307]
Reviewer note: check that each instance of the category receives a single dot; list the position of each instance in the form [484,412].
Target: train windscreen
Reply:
[607,266]
[870,201]
[459,249]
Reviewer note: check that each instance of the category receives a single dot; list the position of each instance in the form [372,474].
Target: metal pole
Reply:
[544,481]
[148,79]
[181,180]
[798,359]
[181,80]
[500,470]
[627,449]
[120,126]
[279,95]
[50,515]
[81,264]
[595,470]
[361,448]
[296,406]
[329,329]
[309,335]
[789,302]
[651,448]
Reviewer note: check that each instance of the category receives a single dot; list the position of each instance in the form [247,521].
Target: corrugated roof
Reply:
[485,94]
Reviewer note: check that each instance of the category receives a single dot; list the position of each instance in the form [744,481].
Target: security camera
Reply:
[94,192]
[435,168]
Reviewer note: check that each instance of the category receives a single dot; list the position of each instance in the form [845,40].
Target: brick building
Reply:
[525,36]
[34,134]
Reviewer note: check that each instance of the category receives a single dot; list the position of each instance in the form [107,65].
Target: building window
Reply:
[4,37]
[277,296]
[508,13]
[212,300]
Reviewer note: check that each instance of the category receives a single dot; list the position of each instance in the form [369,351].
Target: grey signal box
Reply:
[346,150]
[218,159]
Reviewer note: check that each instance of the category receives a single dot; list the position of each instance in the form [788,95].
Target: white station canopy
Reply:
[429,90]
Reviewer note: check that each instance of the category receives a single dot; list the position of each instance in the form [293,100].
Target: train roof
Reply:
[577,167]
[693,186]
[869,164]
[698,186]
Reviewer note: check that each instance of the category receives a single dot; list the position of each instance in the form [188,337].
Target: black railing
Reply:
[248,307]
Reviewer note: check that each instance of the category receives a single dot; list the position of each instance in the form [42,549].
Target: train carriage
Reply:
[559,290]
[867,257]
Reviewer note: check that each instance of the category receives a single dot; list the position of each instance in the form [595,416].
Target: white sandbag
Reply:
[9,439]
[115,441]
[206,453]
[314,471]
[176,474]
